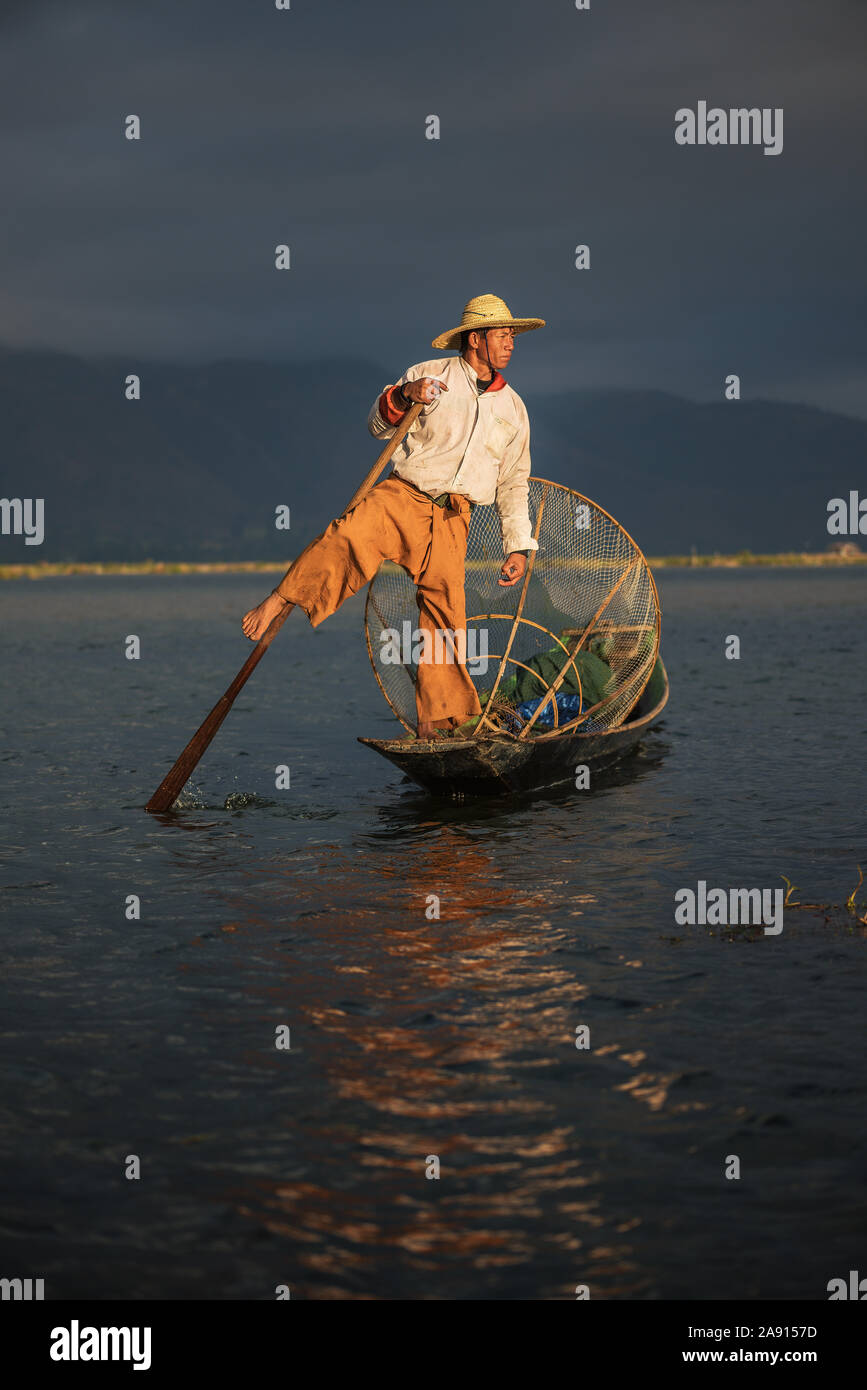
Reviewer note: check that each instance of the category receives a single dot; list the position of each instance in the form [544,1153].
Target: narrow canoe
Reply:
[493,765]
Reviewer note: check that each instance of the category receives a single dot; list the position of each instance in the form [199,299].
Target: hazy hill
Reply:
[196,468]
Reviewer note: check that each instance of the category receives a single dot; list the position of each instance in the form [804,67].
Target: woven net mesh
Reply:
[590,613]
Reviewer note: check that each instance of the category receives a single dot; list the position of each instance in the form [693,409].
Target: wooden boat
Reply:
[496,765]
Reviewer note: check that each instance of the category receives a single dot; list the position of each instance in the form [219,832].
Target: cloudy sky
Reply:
[307,126]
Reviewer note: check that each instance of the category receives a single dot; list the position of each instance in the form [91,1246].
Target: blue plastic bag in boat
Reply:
[568,707]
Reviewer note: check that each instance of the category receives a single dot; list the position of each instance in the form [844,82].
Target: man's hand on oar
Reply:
[258,620]
[425,390]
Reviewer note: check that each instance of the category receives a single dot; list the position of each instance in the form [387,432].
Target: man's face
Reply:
[500,342]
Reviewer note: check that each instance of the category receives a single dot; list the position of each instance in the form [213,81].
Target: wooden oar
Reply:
[172,784]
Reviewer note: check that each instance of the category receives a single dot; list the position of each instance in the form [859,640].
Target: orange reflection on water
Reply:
[435,1037]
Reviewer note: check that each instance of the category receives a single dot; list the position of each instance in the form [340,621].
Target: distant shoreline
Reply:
[743,560]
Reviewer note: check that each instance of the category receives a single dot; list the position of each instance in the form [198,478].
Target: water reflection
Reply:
[433,968]
[414,802]
[452,1037]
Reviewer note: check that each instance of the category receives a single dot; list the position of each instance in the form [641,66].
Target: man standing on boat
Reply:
[470,445]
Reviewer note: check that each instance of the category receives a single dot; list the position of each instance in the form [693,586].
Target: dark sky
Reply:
[307,127]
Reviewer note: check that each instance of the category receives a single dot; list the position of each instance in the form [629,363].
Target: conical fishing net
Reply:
[574,646]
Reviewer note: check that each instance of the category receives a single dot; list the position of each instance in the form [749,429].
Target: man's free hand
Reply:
[513,569]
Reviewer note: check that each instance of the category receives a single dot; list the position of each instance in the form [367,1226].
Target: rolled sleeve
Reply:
[380,421]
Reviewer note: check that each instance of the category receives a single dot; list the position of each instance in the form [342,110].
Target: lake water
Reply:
[413,1038]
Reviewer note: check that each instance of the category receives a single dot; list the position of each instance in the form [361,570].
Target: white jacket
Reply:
[466,443]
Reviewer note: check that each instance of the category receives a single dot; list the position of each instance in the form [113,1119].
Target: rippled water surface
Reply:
[413,1037]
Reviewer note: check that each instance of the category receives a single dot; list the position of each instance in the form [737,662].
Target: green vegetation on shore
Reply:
[791,559]
[53,569]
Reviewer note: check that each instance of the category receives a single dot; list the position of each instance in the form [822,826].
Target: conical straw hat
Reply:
[485,311]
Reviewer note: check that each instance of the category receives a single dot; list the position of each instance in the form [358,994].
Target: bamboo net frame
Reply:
[586,613]
[524,587]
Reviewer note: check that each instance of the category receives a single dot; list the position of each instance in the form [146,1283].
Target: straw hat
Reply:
[485,311]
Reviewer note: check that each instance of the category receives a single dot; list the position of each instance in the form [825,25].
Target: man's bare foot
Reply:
[457,727]
[258,620]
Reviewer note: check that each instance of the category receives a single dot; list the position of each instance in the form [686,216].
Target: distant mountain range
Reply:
[196,468]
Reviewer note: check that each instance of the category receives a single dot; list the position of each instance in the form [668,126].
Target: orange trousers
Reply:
[397,522]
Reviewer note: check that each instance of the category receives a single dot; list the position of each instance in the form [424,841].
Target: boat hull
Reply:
[497,766]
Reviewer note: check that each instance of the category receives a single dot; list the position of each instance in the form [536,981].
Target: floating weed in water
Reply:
[827,908]
[850,901]
[790,889]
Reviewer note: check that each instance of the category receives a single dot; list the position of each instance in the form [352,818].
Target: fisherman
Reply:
[469,445]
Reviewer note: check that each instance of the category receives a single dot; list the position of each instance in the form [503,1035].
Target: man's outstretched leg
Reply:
[393,522]
[342,560]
